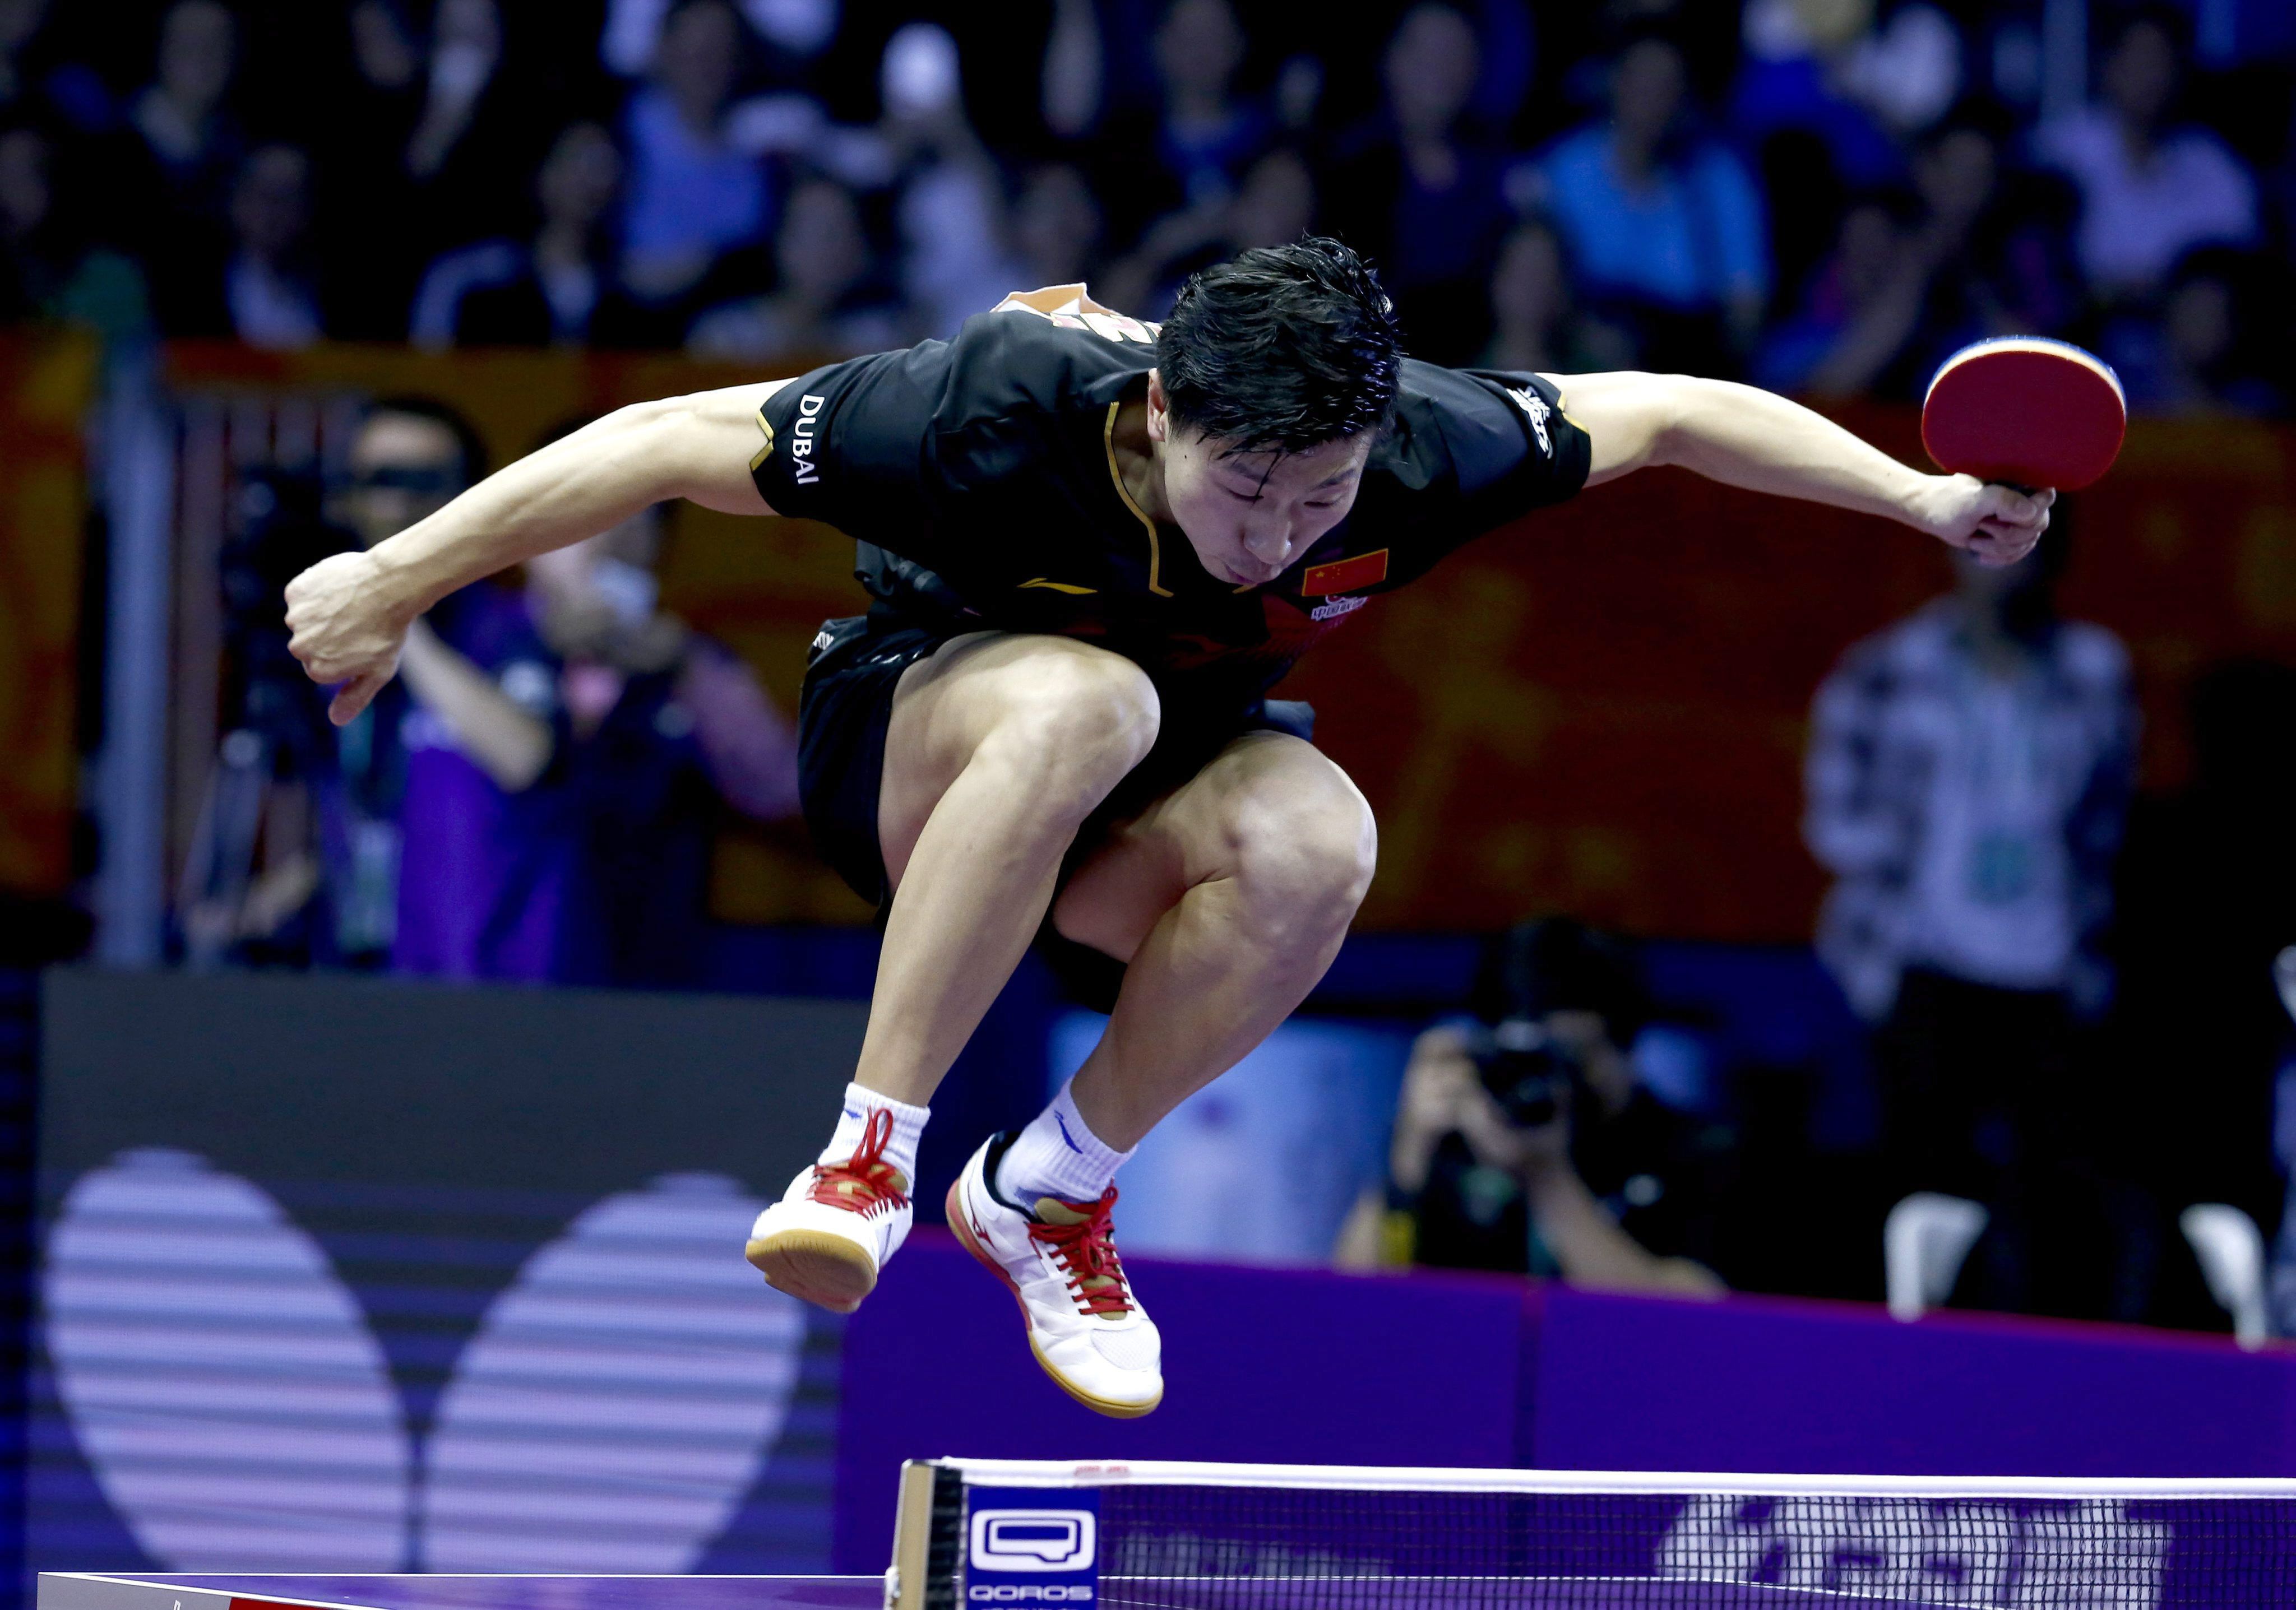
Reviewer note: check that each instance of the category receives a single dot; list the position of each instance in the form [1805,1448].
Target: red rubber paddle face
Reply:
[2026,410]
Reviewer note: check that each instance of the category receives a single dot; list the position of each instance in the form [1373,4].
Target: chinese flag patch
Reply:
[1345,575]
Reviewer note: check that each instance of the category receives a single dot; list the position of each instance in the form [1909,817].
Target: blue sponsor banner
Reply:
[1031,1546]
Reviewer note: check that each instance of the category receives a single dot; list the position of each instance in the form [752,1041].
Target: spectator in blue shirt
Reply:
[1191,149]
[2151,187]
[1660,219]
[548,289]
[1418,186]
[690,195]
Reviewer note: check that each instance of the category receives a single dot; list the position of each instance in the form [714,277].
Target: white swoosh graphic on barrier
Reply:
[619,1398]
[220,1379]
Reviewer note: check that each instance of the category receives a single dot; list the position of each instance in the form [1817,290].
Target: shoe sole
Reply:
[955,1207]
[815,1266]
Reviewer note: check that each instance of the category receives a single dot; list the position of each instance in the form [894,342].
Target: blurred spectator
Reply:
[1661,222]
[1207,132]
[1992,247]
[269,289]
[2207,899]
[45,73]
[1526,1141]
[1911,280]
[1822,66]
[466,48]
[1057,229]
[181,116]
[1969,777]
[1074,74]
[50,270]
[1536,324]
[186,150]
[665,727]
[1274,205]
[448,854]
[1191,149]
[825,302]
[691,195]
[264,290]
[540,292]
[365,220]
[19,26]
[473,146]
[1417,188]
[2151,188]
[949,195]
[1858,313]
[792,32]
[2204,351]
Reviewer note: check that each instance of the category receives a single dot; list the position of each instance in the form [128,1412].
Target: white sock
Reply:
[853,1119]
[1058,1155]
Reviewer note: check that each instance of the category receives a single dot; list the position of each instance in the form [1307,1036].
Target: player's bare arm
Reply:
[350,614]
[1744,437]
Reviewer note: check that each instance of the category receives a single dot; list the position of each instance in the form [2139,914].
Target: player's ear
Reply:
[1159,413]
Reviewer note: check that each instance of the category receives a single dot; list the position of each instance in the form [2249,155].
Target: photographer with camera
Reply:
[446,808]
[1525,1141]
[421,837]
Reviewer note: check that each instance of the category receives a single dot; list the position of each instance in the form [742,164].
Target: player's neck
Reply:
[1137,465]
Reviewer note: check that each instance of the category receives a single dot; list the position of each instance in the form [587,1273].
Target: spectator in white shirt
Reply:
[2151,188]
[1969,776]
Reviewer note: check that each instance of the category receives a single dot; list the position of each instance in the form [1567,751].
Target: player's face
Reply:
[1249,514]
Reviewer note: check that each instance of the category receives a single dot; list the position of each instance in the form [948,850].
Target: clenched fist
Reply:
[1997,524]
[349,628]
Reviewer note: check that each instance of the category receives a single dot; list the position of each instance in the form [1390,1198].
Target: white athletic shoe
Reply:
[836,1225]
[1084,1325]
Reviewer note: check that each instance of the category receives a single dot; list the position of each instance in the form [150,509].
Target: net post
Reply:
[925,1538]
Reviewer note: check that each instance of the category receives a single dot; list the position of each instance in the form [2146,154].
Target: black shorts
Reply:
[848,704]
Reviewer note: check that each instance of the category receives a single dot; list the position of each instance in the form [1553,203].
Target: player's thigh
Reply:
[1270,810]
[1067,699]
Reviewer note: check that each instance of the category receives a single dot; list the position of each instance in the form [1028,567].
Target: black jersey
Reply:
[980,477]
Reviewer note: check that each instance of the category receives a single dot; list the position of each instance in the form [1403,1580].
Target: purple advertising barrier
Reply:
[1758,1384]
[1276,1365]
[1300,1366]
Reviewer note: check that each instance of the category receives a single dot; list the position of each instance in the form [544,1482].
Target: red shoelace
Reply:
[1087,1250]
[864,1181]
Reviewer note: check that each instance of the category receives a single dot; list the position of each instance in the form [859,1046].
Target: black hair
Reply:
[1281,348]
[470,447]
[2169,19]
[1558,964]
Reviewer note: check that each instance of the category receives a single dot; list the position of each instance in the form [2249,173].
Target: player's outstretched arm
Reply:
[350,613]
[1744,437]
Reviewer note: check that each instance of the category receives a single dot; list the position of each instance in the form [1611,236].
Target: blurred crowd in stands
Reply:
[2076,1008]
[2068,996]
[1820,195]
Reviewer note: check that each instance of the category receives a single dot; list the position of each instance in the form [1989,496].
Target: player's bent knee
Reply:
[1305,854]
[1086,718]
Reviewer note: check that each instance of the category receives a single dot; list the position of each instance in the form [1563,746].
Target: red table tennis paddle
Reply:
[2027,412]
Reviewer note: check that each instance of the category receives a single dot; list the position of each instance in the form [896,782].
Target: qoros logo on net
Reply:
[1031,1546]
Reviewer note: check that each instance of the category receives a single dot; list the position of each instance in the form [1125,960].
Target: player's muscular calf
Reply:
[1228,897]
[999,747]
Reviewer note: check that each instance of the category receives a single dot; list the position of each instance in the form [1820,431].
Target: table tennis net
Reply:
[979,1534]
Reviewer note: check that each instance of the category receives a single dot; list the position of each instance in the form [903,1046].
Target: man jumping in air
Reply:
[1093,546]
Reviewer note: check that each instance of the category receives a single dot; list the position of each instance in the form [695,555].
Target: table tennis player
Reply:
[1093,547]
